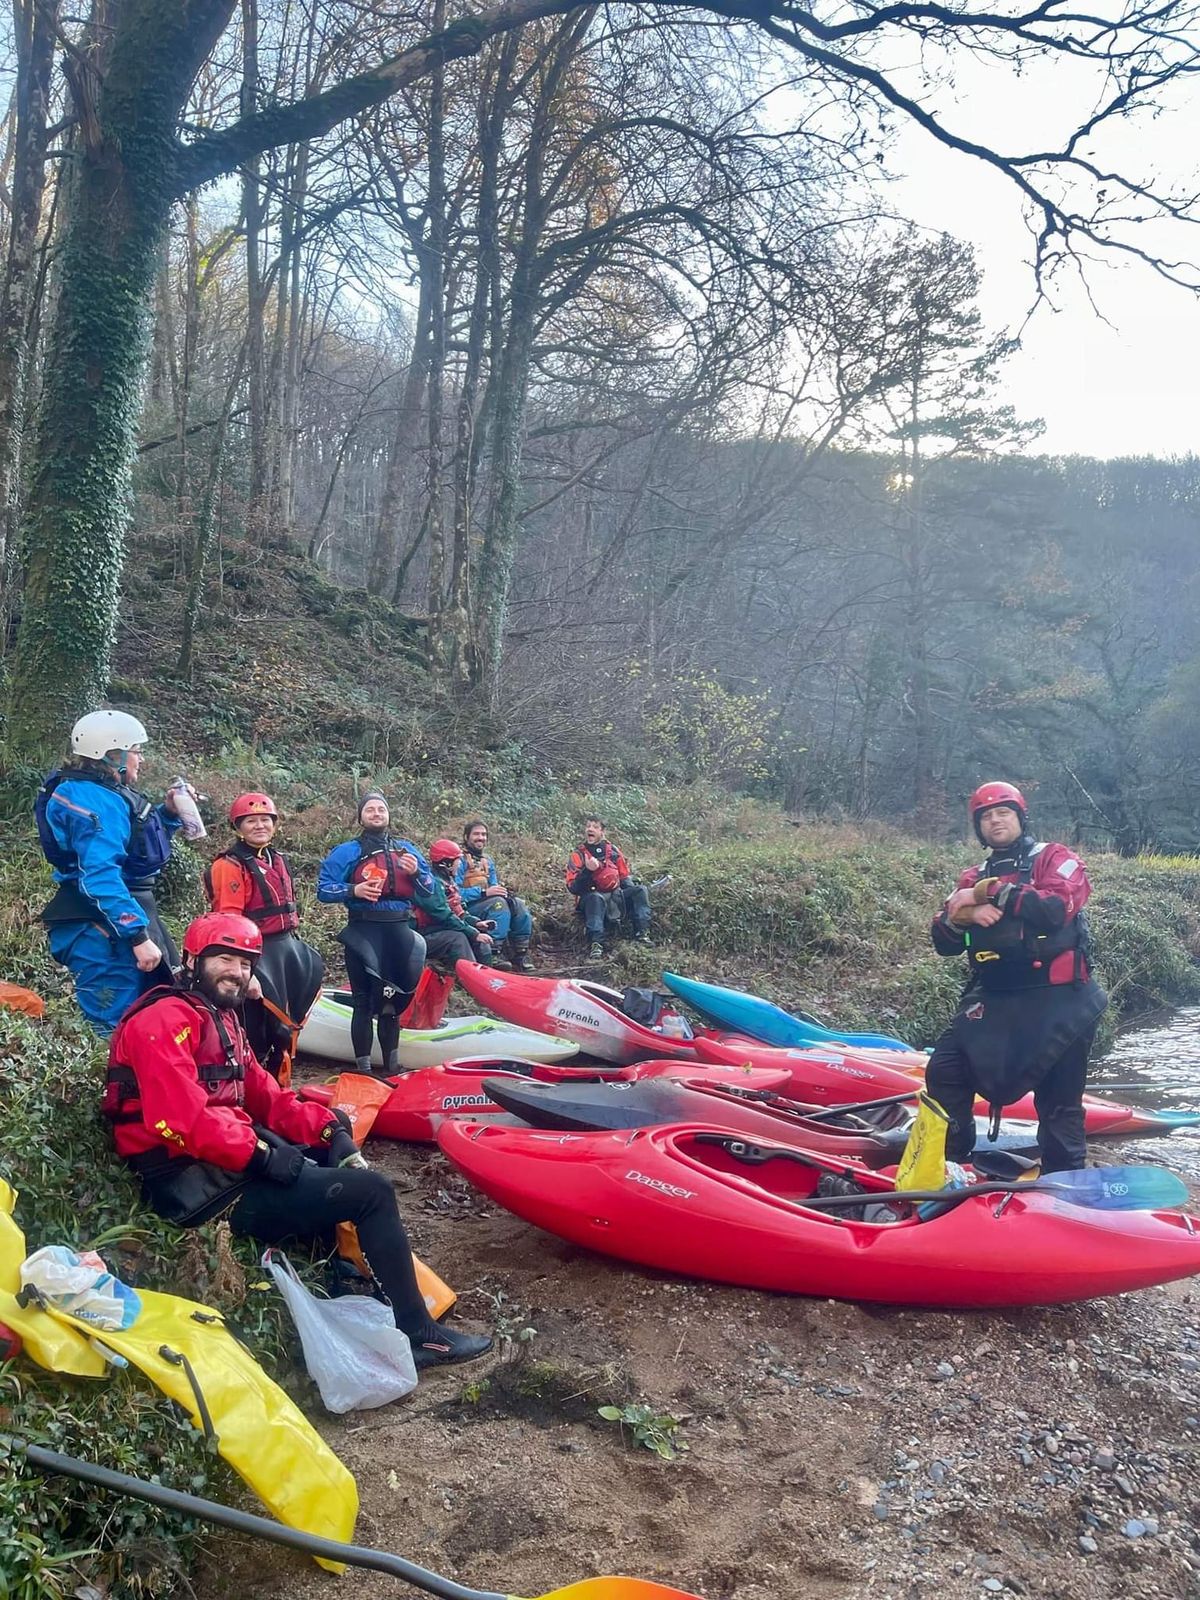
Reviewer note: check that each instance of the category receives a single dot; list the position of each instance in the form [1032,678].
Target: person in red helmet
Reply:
[450,932]
[1029,1012]
[252,879]
[210,1133]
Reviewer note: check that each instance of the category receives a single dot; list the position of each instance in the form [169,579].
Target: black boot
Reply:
[438,1346]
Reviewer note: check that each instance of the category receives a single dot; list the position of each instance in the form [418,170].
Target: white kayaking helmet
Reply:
[99,732]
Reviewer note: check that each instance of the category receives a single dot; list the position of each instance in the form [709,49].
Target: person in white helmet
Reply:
[107,844]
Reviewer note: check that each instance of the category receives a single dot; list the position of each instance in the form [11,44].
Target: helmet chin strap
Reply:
[120,764]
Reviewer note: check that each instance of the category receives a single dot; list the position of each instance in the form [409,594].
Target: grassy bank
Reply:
[831,919]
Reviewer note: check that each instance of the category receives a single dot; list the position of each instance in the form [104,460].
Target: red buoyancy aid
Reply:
[271,901]
[222,1055]
[383,865]
[608,874]
[425,918]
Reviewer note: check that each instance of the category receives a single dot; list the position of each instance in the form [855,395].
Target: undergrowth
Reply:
[55,1534]
[831,919]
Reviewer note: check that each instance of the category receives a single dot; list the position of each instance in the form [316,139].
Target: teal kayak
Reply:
[760,1019]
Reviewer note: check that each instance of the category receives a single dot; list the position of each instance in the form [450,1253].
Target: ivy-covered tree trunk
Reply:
[34,27]
[122,188]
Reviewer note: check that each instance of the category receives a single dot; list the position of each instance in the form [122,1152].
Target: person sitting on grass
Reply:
[606,892]
[450,931]
[485,894]
[210,1133]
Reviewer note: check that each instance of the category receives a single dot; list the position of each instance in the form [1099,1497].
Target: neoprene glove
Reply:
[279,1162]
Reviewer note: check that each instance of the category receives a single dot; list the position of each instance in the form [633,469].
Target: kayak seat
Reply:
[831,1183]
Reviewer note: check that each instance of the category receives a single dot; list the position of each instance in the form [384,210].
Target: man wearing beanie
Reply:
[378,878]
[1029,1013]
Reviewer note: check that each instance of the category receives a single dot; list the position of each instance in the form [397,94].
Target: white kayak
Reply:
[327,1033]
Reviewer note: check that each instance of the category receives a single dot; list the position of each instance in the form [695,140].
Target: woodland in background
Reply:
[662,442]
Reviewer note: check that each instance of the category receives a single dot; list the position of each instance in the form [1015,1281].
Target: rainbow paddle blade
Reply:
[1141,1188]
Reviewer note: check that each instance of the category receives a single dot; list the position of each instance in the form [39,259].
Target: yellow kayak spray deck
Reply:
[186,1350]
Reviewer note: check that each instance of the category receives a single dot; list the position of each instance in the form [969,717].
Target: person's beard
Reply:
[227,993]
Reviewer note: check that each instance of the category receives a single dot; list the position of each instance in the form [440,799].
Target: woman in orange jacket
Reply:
[252,879]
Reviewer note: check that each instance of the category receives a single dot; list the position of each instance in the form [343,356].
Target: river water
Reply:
[1157,1065]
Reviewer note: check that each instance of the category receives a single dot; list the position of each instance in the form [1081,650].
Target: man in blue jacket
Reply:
[485,896]
[378,877]
[107,844]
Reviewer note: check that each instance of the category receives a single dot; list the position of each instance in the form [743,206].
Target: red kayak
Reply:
[678,1199]
[589,1013]
[832,1079]
[413,1105]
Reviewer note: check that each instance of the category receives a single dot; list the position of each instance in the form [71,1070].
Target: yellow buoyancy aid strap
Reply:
[260,1433]
[45,1341]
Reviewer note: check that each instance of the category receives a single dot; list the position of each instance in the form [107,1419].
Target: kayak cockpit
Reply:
[779,1176]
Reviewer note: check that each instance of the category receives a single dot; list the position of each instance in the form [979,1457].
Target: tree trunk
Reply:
[458,641]
[206,520]
[500,541]
[187,363]
[385,549]
[256,292]
[34,25]
[291,323]
[74,525]
[437,358]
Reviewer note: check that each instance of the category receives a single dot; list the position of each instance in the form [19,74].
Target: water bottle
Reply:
[674,1026]
[187,810]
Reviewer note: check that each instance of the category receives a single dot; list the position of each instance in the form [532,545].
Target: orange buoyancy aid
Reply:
[477,872]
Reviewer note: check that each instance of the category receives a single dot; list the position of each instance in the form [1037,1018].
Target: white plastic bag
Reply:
[355,1354]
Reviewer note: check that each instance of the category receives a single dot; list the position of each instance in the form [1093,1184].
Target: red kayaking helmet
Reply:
[443,850]
[996,794]
[222,930]
[252,805]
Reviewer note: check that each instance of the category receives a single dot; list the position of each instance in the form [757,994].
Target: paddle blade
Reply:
[1142,1188]
[1173,1119]
[617,1589]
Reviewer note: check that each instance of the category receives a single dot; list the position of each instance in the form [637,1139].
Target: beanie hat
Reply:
[371,794]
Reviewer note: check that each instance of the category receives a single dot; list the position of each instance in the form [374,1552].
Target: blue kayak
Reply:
[760,1019]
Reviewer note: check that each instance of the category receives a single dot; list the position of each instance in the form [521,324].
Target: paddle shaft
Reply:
[190,1505]
[831,1113]
[954,1197]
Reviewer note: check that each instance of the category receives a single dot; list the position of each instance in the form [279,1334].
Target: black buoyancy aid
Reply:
[272,902]
[222,1055]
[378,853]
[1011,954]
[149,846]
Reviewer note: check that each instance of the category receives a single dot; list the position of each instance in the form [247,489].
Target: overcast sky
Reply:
[1132,388]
